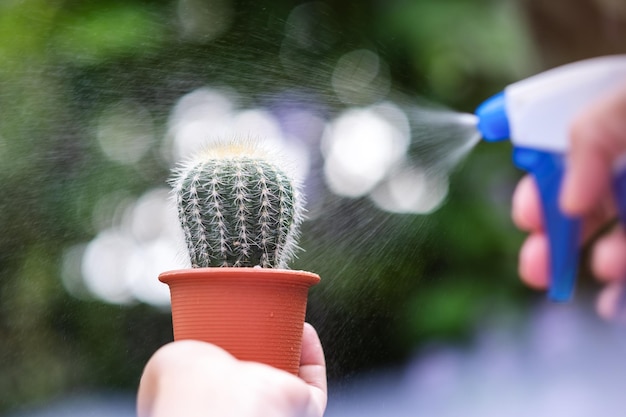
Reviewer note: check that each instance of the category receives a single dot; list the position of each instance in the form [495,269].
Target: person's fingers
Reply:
[181,378]
[598,138]
[526,206]
[611,303]
[168,385]
[608,260]
[533,261]
[528,216]
[313,368]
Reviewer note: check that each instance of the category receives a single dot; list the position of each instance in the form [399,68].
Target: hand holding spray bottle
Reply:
[536,114]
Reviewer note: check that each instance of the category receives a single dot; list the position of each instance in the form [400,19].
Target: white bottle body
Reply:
[541,108]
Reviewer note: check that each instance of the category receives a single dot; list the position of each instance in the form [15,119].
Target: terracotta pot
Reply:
[255,314]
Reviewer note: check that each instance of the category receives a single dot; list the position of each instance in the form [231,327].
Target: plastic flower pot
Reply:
[256,314]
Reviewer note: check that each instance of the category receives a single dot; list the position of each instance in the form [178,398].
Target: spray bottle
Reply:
[536,114]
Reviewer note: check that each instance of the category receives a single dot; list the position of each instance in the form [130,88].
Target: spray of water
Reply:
[440,140]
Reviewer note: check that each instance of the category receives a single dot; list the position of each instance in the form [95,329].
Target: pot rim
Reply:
[235,273]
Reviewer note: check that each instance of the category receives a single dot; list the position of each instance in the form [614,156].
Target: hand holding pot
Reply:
[598,140]
[192,378]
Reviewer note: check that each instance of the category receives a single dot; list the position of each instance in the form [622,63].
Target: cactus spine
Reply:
[237,208]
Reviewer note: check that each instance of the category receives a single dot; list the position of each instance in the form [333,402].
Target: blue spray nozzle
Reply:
[493,123]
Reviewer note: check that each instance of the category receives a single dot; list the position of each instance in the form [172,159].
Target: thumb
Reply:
[313,368]
[598,138]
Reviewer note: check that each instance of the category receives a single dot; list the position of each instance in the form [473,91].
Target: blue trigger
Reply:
[619,189]
[563,231]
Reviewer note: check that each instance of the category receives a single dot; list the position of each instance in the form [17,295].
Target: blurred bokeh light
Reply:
[361,146]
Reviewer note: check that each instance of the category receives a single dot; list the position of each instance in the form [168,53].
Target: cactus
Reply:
[237,208]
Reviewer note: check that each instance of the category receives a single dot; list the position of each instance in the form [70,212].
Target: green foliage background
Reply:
[419,279]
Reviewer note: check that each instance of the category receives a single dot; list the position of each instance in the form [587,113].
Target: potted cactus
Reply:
[240,212]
